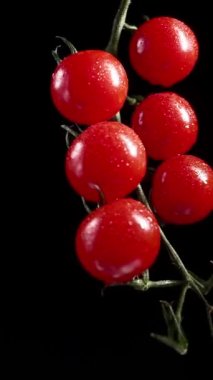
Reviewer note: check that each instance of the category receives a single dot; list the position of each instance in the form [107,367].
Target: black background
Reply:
[54,315]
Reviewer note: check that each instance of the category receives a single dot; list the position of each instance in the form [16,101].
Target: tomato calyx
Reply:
[71,47]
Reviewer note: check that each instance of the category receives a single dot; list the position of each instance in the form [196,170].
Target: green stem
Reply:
[180,265]
[87,208]
[209,311]
[56,55]
[100,194]
[117,117]
[134,100]
[69,130]
[209,285]
[179,348]
[69,44]
[139,284]
[175,257]
[142,197]
[130,27]
[172,252]
[181,303]
[118,25]
[164,283]
[145,276]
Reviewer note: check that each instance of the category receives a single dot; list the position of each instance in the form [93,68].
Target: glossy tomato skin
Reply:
[118,241]
[109,155]
[163,51]
[167,125]
[89,86]
[182,190]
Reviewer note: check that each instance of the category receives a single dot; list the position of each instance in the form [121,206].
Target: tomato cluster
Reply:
[108,160]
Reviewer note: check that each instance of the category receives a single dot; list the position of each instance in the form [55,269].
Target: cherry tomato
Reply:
[109,156]
[118,241]
[167,125]
[182,191]
[163,51]
[89,86]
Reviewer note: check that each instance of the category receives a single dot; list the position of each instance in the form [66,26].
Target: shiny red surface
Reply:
[163,51]
[182,190]
[118,241]
[89,86]
[166,124]
[109,155]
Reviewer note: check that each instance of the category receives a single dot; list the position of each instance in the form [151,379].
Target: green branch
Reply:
[118,25]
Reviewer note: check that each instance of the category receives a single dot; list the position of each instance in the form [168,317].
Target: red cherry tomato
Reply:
[89,86]
[163,51]
[107,155]
[182,191]
[118,241]
[167,125]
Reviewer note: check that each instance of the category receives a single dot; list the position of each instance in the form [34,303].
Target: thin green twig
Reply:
[118,25]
